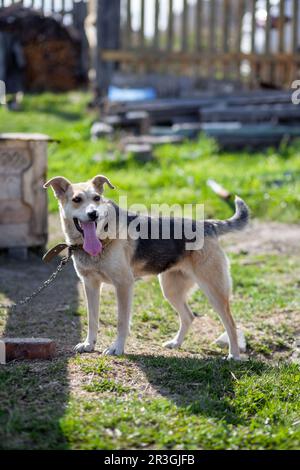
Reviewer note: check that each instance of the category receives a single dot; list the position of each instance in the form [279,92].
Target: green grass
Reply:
[269,181]
[150,398]
[153,399]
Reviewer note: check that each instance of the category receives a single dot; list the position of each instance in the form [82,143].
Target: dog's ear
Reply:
[99,181]
[59,184]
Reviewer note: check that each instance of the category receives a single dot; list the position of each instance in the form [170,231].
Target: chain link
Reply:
[45,284]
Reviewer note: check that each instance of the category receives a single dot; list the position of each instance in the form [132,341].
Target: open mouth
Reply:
[91,244]
[78,225]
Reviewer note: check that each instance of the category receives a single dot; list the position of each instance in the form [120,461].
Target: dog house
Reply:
[23,201]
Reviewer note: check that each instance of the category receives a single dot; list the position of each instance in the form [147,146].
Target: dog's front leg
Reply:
[124,297]
[92,293]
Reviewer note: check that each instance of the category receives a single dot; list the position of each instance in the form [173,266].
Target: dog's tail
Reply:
[237,222]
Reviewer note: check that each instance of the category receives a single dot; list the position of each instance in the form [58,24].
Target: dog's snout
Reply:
[93,215]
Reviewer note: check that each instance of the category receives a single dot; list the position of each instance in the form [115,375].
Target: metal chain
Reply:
[45,284]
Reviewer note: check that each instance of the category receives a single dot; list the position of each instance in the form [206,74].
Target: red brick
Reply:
[29,348]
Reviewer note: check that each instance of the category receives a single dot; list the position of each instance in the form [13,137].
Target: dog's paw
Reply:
[173,344]
[231,357]
[84,347]
[114,350]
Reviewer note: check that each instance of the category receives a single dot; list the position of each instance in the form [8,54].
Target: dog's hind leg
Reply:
[92,294]
[175,286]
[214,280]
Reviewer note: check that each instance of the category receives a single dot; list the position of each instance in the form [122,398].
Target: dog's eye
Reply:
[77,199]
[97,198]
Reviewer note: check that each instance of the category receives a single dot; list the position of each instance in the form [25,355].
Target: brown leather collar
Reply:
[57,249]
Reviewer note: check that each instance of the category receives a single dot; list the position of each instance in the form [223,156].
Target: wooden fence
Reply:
[246,40]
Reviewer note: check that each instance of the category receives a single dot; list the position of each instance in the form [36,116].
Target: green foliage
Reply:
[269,181]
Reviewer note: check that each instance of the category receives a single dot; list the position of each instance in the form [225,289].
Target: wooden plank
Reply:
[170,40]
[253,25]
[199,25]
[240,16]
[156,27]
[128,28]
[212,22]
[211,49]
[241,11]
[251,113]
[184,31]
[152,139]
[142,24]
[295,25]
[188,56]
[226,33]
[226,12]
[108,37]
[268,27]
[265,74]
[281,25]
[281,68]
[253,63]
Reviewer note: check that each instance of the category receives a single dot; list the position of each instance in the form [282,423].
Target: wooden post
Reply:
[198,25]
[108,37]
[212,38]
[128,29]
[142,24]
[184,33]
[170,45]
[156,26]
[79,16]
[240,16]
[253,51]
[295,26]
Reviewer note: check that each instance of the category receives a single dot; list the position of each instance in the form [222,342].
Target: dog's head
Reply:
[82,207]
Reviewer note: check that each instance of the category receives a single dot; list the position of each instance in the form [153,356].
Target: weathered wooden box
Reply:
[23,201]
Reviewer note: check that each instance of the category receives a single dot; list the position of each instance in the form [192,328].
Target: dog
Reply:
[86,216]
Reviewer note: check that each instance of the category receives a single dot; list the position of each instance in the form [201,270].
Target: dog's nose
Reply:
[93,215]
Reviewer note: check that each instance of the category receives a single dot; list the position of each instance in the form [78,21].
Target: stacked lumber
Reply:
[250,119]
[52,51]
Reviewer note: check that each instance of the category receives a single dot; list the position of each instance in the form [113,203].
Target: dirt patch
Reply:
[264,237]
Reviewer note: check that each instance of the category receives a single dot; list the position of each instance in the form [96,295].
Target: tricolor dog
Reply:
[87,220]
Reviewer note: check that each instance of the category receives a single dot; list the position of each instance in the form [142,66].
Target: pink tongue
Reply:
[91,244]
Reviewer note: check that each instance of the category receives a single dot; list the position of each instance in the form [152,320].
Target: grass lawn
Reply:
[153,398]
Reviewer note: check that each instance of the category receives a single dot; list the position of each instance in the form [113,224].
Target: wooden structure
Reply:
[206,38]
[50,46]
[23,201]
[252,119]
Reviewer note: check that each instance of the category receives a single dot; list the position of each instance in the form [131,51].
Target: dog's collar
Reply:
[57,249]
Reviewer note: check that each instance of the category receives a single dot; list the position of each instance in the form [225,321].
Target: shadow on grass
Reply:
[34,394]
[201,386]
